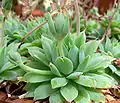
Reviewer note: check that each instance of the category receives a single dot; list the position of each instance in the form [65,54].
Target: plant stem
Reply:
[110,22]
[29,69]
[60,48]
[77,17]
[36,28]
[2,32]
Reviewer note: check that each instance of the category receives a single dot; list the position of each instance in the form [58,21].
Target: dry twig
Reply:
[77,17]
[111,18]
[36,28]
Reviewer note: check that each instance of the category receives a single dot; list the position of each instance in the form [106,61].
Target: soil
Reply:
[11,92]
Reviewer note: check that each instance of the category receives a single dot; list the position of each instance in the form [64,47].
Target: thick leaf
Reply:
[36,78]
[37,65]
[91,47]
[46,44]
[55,53]
[69,92]
[97,61]
[113,68]
[83,65]
[95,95]
[81,54]
[81,39]
[2,56]
[58,82]
[83,96]
[116,51]
[54,69]
[59,22]
[118,72]
[7,66]
[74,75]
[68,41]
[87,81]
[8,75]
[102,81]
[15,57]
[73,56]
[64,65]
[108,45]
[7,4]
[36,53]
[56,98]
[30,87]
[43,91]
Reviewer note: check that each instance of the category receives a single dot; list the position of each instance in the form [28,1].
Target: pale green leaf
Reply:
[64,65]
[43,91]
[54,69]
[87,81]
[95,95]
[56,98]
[36,78]
[81,39]
[83,96]
[58,82]
[46,44]
[37,54]
[73,56]
[91,47]
[69,92]
[74,75]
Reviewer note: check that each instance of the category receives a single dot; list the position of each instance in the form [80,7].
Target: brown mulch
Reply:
[114,101]
[5,99]
[17,89]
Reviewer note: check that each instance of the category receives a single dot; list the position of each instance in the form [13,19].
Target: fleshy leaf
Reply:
[81,54]
[83,96]
[36,53]
[30,87]
[87,81]
[46,44]
[73,56]
[56,98]
[91,47]
[102,81]
[43,91]
[83,65]
[74,75]
[58,82]
[69,92]
[36,78]
[64,65]
[95,95]
[81,39]
[8,75]
[54,69]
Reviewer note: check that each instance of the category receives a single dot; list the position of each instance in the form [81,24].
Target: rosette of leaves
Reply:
[112,48]
[115,25]
[9,71]
[16,30]
[6,6]
[75,76]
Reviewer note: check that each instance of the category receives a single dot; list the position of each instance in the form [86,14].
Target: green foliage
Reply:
[7,6]
[16,30]
[60,27]
[67,68]
[112,48]
[68,77]
[8,71]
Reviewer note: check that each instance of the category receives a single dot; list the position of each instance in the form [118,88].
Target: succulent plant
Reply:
[58,27]
[112,48]
[72,77]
